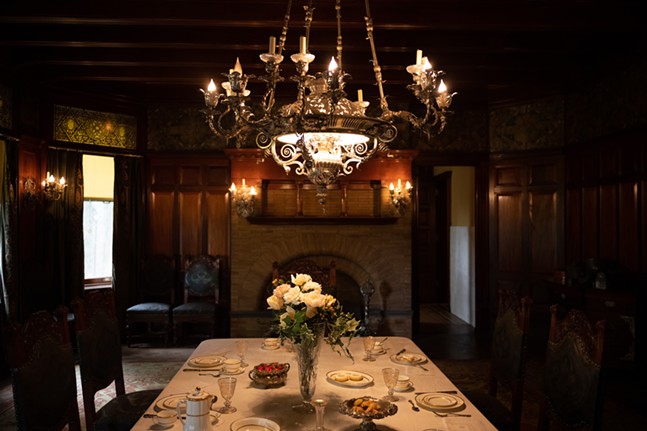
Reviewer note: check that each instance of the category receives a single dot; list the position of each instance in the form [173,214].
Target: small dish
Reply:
[224,372]
[255,424]
[409,359]
[407,388]
[271,346]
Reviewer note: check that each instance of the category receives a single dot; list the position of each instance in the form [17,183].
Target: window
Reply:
[98,210]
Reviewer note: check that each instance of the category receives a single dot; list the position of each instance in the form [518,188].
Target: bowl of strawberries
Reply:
[269,374]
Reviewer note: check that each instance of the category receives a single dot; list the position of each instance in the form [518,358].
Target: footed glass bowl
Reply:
[269,374]
[367,409]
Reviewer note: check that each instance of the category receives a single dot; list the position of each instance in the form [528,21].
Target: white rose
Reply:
[311,285]
[280,290]
[300,279]
[292,296]
[313,299]
[274,302]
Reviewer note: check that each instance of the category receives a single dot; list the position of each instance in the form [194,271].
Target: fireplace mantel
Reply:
[305,220]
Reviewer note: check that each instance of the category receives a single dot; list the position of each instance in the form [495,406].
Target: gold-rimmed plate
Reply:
[208,361]
[409,359]
[440,402]
[170,402]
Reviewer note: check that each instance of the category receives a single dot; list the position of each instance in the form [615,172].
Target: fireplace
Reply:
[380,255]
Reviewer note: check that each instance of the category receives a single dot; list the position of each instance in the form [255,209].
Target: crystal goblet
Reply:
[390,379]
[227,387]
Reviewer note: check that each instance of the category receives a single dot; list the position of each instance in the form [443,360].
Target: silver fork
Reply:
[444,415]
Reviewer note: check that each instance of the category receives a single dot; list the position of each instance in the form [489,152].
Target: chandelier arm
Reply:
[376,66]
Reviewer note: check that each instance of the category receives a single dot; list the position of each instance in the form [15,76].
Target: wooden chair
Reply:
[572,373]
[508,363]
[201,296]
[157,299]
[99,345]
[40,356]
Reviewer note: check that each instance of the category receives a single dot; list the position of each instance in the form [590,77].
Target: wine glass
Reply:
[390,379]
[319,406]
[241,347]
[369,344]
[227,387]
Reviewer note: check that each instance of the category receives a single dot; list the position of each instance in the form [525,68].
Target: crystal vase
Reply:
[307,357]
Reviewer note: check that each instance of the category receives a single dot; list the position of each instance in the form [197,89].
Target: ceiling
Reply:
[492,51]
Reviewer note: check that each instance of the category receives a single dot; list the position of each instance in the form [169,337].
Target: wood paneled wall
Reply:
[526,223]
[188,207]
[605,201]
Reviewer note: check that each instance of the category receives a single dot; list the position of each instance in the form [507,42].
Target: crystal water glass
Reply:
[241,348]
[390,379]
[227,387]
[369,344]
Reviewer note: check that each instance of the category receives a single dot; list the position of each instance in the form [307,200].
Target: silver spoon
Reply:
[414,407]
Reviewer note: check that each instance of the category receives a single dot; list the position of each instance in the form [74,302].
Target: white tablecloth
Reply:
[276,403]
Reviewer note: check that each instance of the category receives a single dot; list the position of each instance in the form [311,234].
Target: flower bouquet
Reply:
[302,310]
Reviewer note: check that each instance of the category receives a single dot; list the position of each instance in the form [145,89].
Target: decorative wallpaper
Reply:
[180,128]
[527,127]
[94,128]
[6,108]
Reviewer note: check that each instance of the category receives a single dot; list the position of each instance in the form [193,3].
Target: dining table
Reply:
[278,402]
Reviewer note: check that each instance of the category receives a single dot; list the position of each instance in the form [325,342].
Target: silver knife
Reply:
[400,352]
[201,369]
[436,392]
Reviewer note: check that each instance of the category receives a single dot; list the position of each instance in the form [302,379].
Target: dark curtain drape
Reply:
[8,229]
[127,231]
[63,234]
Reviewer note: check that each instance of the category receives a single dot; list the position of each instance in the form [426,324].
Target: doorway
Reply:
[443,241]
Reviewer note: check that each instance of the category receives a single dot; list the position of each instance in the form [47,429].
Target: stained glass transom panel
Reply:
[83,126]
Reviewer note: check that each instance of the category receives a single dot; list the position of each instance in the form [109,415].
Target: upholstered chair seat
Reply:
[157,293]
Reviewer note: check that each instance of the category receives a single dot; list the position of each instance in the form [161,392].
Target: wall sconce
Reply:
[29,186]
[243,198]
[52,189]
[400,198]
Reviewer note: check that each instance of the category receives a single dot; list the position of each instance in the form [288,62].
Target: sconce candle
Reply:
[400,198]
[52,189]
[244,198]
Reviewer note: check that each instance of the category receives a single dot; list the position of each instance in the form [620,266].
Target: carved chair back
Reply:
[572,372]
[40,356]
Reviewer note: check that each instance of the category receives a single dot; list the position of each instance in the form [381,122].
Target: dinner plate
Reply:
[409,359]
[440,402]
[254,424]
[170,402]
[209,361]
[351,378]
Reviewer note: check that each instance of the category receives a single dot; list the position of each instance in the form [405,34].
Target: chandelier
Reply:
[321,134]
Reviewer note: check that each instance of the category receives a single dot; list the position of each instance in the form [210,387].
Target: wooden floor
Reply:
[442,335]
